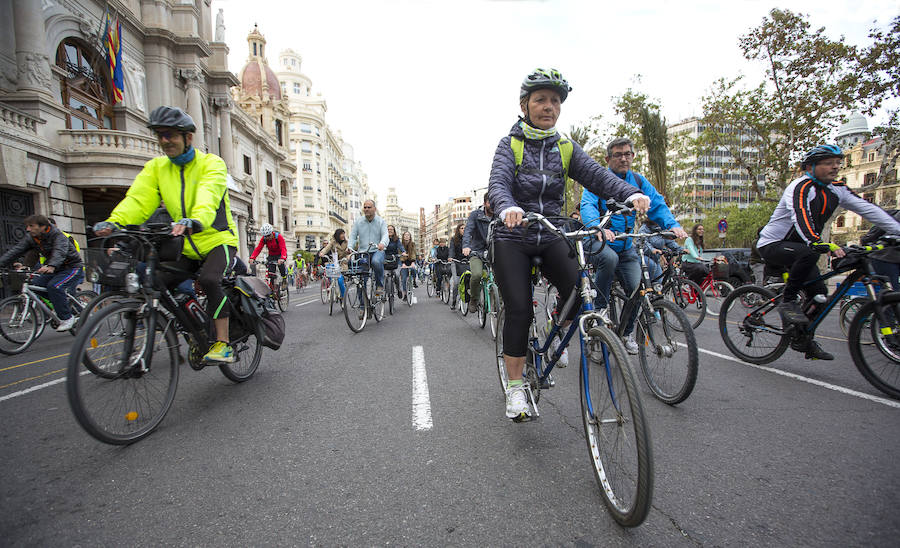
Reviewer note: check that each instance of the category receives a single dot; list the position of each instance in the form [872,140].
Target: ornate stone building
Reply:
[67,150]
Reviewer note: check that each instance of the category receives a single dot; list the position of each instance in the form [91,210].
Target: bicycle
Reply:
[134,348]
[333,273]
[669,362]
[442,280]
[613,417]
[714,291]
[684,292]
[459,294]
[430,280]
[359,291]
[411,283]
[24,317]
[391,281]
[279,289]
[490,296]
[760,336]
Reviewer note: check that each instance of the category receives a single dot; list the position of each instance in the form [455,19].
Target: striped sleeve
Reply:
[800,213]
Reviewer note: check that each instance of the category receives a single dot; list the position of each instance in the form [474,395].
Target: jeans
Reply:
[378,268]
[340,282]
[57,285]
[406,272]
[625,266]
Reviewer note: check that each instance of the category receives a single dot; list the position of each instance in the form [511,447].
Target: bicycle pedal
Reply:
[547,383]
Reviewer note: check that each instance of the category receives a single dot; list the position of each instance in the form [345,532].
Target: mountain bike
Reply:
[753,330]
[616,430]
[23,317]
[133,350]
[666,343]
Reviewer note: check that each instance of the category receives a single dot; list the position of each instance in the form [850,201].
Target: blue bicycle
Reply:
[616,431]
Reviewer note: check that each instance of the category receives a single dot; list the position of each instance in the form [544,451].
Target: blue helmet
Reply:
[821,152]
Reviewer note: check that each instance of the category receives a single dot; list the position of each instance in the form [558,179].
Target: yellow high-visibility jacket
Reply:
[198,190]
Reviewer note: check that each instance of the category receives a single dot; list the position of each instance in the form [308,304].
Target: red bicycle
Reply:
[279,288]
[715,290]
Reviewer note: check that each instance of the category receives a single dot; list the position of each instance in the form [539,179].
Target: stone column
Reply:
[194,79]
[226,147]
[33,66]
[242,237]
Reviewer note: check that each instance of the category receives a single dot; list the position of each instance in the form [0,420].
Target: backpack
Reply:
[565,151]
[256,302]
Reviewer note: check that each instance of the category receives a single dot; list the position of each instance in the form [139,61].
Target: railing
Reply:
[19,120]
[337,216]
[107,141]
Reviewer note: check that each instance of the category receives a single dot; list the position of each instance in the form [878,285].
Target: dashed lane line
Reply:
[421,401]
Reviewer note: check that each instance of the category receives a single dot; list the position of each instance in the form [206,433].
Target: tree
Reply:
[743,224]
[653,132]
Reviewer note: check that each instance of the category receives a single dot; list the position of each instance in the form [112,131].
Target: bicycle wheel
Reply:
[689,297]
[750,325]
[849,310]
[462,293]
[285,291]
[715,295]
[332,297]
[481,310]
[876,353]
[130,402]
[429,285]
[389,293]
[324,289]
[493,313]
[669,356]
[410,291]
[356,304]
[376,303]
[617,434]
[101,302]
[502,374]
[18,325]
[247,347]
[445,290]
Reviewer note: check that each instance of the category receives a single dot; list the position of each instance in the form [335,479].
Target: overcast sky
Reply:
[424,90]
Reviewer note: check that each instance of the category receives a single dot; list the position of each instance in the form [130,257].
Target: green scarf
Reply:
[536,134]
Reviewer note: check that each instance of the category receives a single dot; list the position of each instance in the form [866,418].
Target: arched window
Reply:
[85,87]
[840,222]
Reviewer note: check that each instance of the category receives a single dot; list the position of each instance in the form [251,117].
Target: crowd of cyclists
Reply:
[530,167]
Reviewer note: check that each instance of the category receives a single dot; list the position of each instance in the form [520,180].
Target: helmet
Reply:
[821,152]
[545,79]
[266,229]
[171,117]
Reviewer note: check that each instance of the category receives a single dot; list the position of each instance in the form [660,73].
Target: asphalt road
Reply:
[323,447]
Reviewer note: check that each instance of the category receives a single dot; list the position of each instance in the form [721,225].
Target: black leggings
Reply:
[800,261]
[210,272]
[512,267]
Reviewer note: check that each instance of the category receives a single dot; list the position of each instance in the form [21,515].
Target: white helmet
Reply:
[266,229]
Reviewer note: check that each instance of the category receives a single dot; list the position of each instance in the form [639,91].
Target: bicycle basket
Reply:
[390,262]
[359,264]
[107,268]
[720,268]
[332,270]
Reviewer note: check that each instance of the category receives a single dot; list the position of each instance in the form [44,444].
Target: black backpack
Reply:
[256,301]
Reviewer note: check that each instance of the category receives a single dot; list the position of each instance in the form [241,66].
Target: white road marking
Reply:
[38,387]
[841,389]
[421,401]
[307,302]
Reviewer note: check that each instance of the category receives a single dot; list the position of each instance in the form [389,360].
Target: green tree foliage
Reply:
[656,141]
[743,224]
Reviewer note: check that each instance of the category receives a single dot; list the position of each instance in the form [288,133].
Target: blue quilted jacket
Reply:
[538,187]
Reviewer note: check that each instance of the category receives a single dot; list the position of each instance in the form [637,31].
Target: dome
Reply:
[252,81]
[855,124]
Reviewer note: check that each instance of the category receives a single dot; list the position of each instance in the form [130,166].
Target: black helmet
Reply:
[171,117]
[821,152]
[545,79]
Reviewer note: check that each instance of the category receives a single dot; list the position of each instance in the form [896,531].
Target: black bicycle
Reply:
[133,349]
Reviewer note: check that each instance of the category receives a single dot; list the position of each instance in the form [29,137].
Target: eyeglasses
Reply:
[167,135]
[620,155]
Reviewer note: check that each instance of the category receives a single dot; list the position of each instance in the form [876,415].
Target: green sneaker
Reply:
[220,352]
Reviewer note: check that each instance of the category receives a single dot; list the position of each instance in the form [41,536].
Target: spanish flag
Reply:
[114,57]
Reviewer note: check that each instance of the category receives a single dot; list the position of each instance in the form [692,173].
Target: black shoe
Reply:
[815,352]
[792,313]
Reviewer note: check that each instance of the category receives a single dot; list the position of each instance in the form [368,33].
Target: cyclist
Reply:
[792,239]
[457,268]
[475,240]
[538,184]
[408,267]
[392,253]
[194,188]
[619,258]
[440,270]
[62,269]
[337,245]
[290,274]
[693,264]
[301,270]
[274,242]
[367,230]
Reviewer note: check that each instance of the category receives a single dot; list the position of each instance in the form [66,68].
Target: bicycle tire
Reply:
[356,304]
[688,296]
[445,290]
[375,303]
[671,376]
[848,310]
[715,295]
[875,356]
[494,311]
[481,309]
[389,292]
[745,323]
[241,369]
[331,298]
[324,290]
[286,289]
[429,286]
[502,374]
[616,429]
[18,325]
[127,387]
[103,300]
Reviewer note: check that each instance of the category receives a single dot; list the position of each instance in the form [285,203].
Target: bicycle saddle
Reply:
[537,260]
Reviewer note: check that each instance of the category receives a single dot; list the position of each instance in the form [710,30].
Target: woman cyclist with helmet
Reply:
[792,239]
[276,247]
[537,185]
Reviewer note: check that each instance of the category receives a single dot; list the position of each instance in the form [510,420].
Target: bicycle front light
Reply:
[131,283]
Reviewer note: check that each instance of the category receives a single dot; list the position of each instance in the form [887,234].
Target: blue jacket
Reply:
[538,186]
[592,208]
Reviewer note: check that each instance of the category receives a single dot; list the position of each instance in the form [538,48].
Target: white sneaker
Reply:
[564,358]
[630,344]
[517,403]
[67,324]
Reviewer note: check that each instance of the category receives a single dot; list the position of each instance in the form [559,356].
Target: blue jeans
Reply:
[404,274]
[57,285]
[627,269]
[378,268]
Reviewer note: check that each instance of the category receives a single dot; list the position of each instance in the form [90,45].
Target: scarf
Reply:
[185,157]
[536,134]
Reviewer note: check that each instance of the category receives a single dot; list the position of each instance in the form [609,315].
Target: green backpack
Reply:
[565,150]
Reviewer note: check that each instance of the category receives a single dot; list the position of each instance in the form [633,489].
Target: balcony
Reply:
[19,120]
[88,149]
[337,216]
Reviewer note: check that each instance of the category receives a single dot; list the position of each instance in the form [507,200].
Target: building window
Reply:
[248,166]
[305,128]
[284,187]
[84,91]
[271,211]
[840,222]
[278,133]
[869,179]
[306,146]
[296,88]
[269,178]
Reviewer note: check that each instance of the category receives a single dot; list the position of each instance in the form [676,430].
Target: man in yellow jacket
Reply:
[193,187]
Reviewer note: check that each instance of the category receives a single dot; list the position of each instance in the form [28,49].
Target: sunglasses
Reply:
[167,135]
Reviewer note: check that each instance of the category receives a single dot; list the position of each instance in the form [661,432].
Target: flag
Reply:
[114,57]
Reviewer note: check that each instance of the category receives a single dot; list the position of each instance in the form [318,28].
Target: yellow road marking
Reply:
[59,356]
[32,378]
